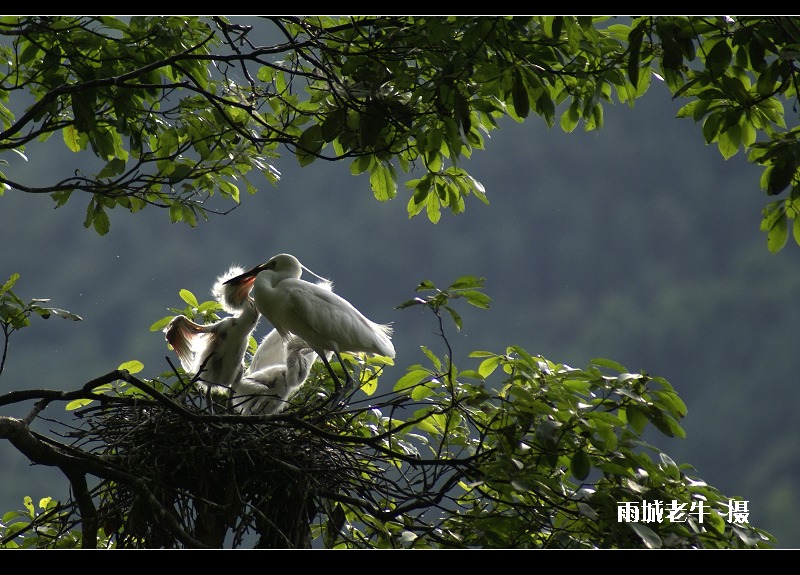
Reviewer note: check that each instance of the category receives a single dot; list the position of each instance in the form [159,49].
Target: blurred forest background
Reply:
[638,243]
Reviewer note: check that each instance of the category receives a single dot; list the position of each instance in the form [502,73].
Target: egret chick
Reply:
[215,352]
[271,351]
[324,320]
[268,390]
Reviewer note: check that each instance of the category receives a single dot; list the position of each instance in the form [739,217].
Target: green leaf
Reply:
[433,208]
[748,132]
[796,230]
[229,189]
[133,366]
[64,314]
[553,27]
[161,324]
[309,145]
[370,125]
[581,465]
[410,380]
[370,386]
[71,138]
[665,424]
[103,143]
[383,181]
[780,175]
[476,298]
[113,168]
[437,363]
[711,127]
[487,366]
[729,141]
[778,235]
[634,51]
[429,422]
[766,82]
[175,212]
[361,164]
[77,404]
[334,124]
[649,537]
[637,418]
[188,297]
[433,160]
[83,109]
[455,317]
[468,282]
[609,363]
[672,470]
[189,215]
[578,385]
[719,58]
[10,283]
[570,117]
[96,216]
[519,95]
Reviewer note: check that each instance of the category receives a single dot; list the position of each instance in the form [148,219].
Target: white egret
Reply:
[215,352]
[271,351]
[268,389]
[324,320]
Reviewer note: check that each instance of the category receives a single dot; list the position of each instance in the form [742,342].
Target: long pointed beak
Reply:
[247,277]
[243,283]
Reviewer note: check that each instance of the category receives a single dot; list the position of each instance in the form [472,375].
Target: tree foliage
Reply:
[522,452]
[176,110]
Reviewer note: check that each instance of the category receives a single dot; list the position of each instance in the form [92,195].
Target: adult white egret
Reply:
[215,352]
[268,389]
[272,349]
[324,320]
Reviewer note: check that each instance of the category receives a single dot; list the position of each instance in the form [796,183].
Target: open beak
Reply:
[247,277]
[243,283]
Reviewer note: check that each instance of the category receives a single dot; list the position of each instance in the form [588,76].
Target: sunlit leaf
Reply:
[649,537]
[133,366]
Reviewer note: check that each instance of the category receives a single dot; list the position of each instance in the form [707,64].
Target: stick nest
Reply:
[207,477]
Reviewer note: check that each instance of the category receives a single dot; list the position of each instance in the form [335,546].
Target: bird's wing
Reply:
[270,352]
[328,315]
[261,393]
[186,338]
[315,314]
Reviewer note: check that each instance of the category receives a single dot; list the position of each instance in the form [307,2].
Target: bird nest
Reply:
[180,475]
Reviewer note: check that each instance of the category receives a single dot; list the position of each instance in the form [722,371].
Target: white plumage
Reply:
[267,389]
[324,320]
[271,351]
[215,352]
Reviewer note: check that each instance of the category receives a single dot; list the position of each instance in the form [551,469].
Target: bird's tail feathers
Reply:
[388,347]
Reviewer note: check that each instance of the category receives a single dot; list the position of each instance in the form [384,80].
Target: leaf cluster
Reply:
[176,110]
[15,313]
